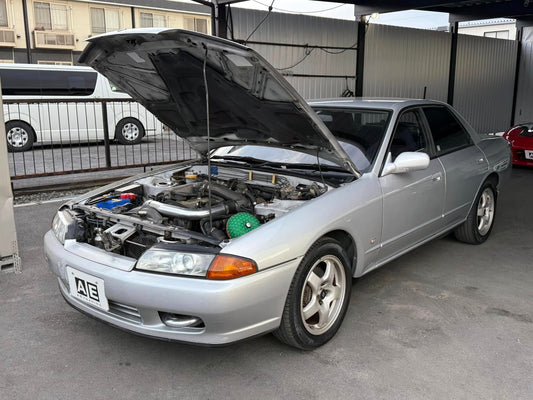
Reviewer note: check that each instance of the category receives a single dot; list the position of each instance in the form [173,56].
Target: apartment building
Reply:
[54,32]
[501,28]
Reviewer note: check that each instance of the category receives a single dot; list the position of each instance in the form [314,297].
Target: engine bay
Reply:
[188,206]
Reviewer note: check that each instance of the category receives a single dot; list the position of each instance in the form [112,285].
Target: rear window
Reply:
[17,82]
[448,134]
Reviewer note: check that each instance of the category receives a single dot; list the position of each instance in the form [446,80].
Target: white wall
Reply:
[8,234]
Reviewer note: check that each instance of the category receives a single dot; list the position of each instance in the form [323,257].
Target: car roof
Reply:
[46,67]
[372,103]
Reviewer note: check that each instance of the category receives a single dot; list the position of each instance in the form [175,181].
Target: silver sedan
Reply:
[287,203]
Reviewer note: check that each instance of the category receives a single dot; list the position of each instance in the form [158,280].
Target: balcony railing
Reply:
[53,40]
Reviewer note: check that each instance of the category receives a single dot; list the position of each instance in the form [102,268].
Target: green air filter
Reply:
[241,223]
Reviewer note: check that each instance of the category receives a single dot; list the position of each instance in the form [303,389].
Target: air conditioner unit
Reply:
[54,40]
[7,37]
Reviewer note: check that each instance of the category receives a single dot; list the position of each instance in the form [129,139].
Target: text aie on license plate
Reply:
[87,288]
[529,154]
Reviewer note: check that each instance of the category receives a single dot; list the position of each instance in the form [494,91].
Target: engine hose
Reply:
[188,213]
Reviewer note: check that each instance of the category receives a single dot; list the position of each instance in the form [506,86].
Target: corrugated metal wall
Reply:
[484,81]
[524,99]
[400,62]
[321,71]
[318,57]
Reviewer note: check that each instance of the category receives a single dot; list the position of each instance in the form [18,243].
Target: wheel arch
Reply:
[348,244]
[494,178]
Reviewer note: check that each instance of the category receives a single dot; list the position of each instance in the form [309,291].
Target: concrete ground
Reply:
[447,321]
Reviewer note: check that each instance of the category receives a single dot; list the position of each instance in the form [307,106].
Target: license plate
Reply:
[87,288]
[529,154]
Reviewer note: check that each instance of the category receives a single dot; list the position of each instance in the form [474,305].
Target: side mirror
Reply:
[405,162]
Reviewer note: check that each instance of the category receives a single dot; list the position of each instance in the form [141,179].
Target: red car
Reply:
[521,139]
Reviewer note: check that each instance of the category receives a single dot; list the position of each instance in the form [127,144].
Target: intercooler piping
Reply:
[187,213]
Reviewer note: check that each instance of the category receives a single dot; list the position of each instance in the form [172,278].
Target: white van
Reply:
[69,116]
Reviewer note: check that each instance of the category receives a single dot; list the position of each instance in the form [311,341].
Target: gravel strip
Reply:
[44,196]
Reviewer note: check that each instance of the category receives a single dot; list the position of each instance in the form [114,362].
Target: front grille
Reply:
[520,154]
[125,311]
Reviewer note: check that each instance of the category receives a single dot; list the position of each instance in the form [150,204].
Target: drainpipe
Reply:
[26,30]
[133,17]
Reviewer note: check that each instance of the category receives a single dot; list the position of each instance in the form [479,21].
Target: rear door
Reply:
[463,162]
[412,201]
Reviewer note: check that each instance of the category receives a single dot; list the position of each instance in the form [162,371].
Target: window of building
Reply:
[104,20]
[47,62]
[3,14]
[497,34]
[196,24]
[149,20]
[49,16]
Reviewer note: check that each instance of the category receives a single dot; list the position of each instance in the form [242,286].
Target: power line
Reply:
[300,12]
[307,54]
[262,21]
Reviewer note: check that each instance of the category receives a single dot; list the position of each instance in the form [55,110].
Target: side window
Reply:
[47,83]
[448,134]
[408,135]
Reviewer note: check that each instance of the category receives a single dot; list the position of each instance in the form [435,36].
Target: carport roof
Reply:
[459,10]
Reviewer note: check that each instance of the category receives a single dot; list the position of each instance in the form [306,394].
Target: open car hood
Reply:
[250,103]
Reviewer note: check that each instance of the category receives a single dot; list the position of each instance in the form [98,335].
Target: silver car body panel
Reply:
[231,310]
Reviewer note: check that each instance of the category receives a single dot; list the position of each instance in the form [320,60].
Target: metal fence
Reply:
[81,136]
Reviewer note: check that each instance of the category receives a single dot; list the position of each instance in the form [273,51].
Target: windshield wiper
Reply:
[284,165]
[246,160]
[316,167]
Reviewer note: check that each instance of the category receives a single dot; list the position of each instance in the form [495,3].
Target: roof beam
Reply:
[504,9]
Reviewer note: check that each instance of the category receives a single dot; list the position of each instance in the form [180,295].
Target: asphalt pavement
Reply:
[447,321]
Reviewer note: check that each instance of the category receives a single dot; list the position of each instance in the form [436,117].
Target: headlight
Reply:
[172,262]
[63,226]
[210,266]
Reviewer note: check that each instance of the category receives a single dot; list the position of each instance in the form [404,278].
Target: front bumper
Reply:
[519,157]
[231,310]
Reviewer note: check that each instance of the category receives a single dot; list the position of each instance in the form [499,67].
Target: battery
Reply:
[112,203]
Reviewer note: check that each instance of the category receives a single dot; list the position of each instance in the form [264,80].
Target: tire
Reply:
[322,282]
[20,136]
[478,225]
[129,131]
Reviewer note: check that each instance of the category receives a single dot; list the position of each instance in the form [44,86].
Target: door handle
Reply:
[436,177]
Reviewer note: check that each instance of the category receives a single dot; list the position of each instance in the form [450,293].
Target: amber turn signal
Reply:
[229,267]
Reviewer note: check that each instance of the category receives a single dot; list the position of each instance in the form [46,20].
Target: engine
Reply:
[188,206]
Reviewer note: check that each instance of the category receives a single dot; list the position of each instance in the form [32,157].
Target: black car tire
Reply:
[129,131]
[20,136]
[478,225]
[309,290]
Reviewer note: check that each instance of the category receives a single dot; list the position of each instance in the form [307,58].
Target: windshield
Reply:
[359,131]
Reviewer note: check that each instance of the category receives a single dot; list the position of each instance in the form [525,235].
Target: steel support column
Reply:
[360,64]
[519,33]
[454,27]
[222,21]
